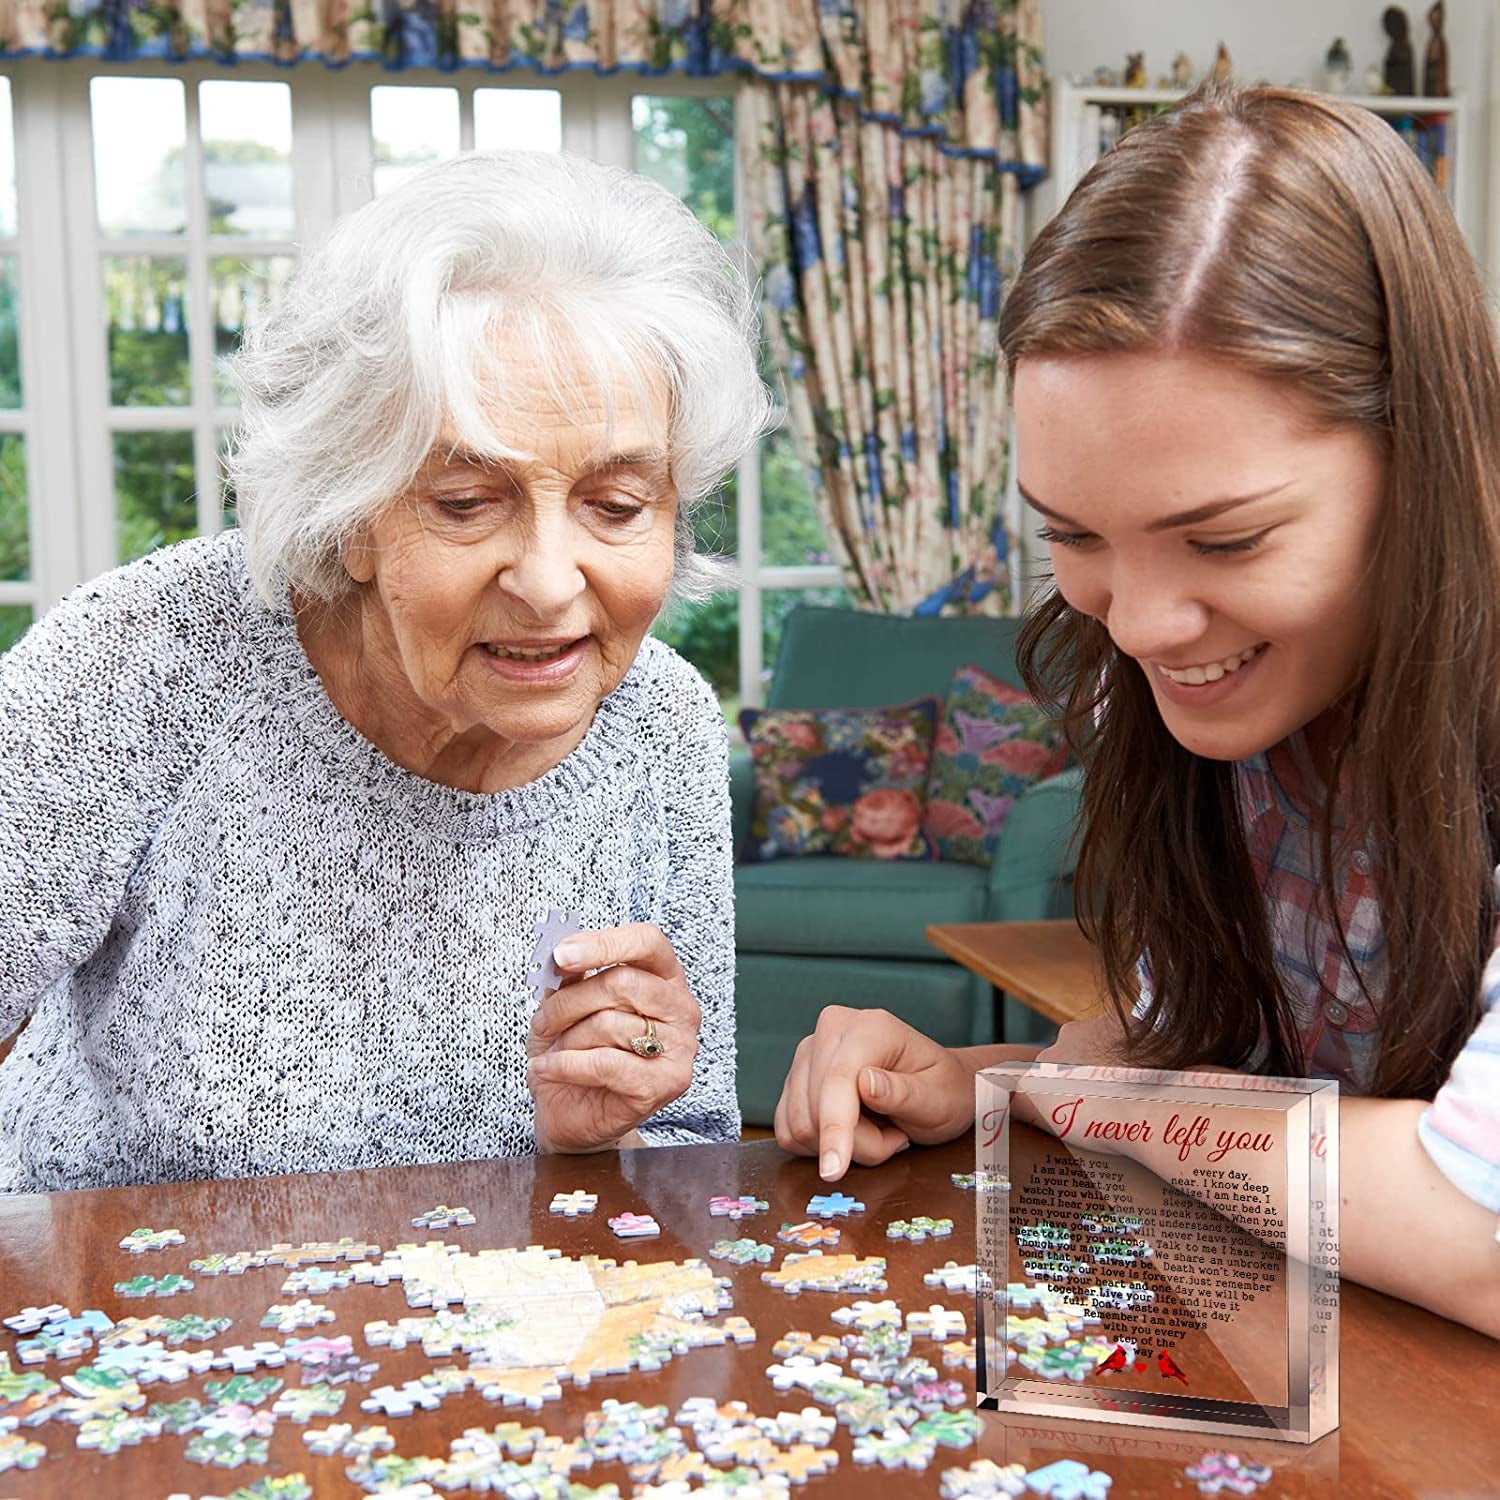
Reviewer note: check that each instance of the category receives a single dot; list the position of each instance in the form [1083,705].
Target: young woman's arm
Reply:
[1404,1228]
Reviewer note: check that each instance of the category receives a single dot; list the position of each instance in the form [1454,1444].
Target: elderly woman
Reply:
[283,807]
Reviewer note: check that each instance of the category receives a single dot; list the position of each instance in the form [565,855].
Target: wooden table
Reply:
[1418,1392]
[1051,967]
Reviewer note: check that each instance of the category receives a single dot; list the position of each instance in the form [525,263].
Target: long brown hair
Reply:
[1299,239]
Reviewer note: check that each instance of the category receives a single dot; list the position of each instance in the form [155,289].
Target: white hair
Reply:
[381,340]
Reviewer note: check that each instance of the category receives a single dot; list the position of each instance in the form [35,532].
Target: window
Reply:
[183,194]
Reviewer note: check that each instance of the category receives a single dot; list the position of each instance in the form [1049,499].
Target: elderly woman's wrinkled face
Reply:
[516,597]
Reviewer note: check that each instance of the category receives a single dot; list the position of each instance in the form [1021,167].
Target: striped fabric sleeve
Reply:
[1461,1127]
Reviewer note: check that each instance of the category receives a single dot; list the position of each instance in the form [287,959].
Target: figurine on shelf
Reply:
[1400,69]
[1223,68]
[1135,70]
[1182,71]
[1375,80]
[1338,69]
[1106,78]
[1435,64]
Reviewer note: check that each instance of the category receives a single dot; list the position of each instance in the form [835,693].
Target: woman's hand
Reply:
[865,1085]
[590,1087]
[1098,1040]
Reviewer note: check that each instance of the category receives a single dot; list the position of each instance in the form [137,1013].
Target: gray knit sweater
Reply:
[249,943]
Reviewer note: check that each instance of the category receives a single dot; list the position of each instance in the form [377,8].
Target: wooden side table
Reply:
[1050,967]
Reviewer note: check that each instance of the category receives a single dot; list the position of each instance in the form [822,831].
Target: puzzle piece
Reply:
[742,1252]
[47,1346]
[789,1428]
[833,1205]
[225,1450]
[958,1354]
[931,1397]
[317,1281]
[866,1315]
[544,974]
[443,1217]
[808,1234]
[894,1448]
[983,1181]
[243,1358]
[149,1363]
[17,1452]
[219,1264]
[402,1400]
[248,1390]
[984,1479]
[304,1402]
[798,1463]
[1227,1471]
[328,1442]
[237,1420]
[275,1487]
[31,1319]
[575,1203]
[138,1241]
[953,1277]
[937,1323]
[1067,1479]
[950,1429]
[800,1370]
[814,1271]
[89,1324]
[152,1286]
[288,1317]
[192,1328]
[176,1416]
[1072,1361]
[736,1208]
[115,1431]
[633,1226]
[318,1350]
[798,1341]
[918,1229]
[17,1385]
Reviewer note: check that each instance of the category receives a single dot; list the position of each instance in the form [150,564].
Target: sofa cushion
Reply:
[992,743]
[860,907]
[843,781]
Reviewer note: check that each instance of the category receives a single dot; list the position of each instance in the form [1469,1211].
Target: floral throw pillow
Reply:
[992,743]
[839,780]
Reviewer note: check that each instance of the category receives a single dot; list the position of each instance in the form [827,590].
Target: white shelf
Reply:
[1380,104]
[1072,155]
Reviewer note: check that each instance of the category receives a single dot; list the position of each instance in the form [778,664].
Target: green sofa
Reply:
[819,931]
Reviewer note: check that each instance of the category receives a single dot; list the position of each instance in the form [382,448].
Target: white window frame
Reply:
[66,416]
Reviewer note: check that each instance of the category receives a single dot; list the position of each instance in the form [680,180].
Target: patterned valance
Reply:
[968,74]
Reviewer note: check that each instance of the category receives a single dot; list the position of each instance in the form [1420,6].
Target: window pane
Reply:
[145,302]
[15,540]
[15,620]
[708,634]
[140,147]
[7,162]
[154,502]
[529,118]
[777,604]
[246,129]
[411,127]
[10,350]
[240,290]
[791,535]
[687,145]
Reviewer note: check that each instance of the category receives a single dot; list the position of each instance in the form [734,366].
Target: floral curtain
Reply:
[884,222]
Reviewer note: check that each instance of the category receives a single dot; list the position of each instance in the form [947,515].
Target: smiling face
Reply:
[1221,537]
[501,603]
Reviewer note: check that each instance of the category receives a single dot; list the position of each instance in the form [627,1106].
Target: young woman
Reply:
[1258,408]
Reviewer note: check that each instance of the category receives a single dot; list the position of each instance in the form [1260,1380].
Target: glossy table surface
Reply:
[1049,966]
[1420,1404]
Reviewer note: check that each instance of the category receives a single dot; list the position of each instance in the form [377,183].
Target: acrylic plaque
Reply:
[1162,1249]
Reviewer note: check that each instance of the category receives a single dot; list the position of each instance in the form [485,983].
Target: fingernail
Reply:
[539,1066]
[877,1085]
[569,952]
[829,1168]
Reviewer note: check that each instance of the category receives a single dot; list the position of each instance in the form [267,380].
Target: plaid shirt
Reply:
[1338,1028]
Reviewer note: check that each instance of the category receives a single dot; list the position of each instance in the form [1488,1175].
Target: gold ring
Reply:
[648,1045]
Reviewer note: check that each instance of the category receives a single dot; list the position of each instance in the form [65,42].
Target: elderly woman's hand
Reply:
[591,1086]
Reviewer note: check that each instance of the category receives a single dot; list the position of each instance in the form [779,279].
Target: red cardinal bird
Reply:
[1116,1360]
[1168,1367]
